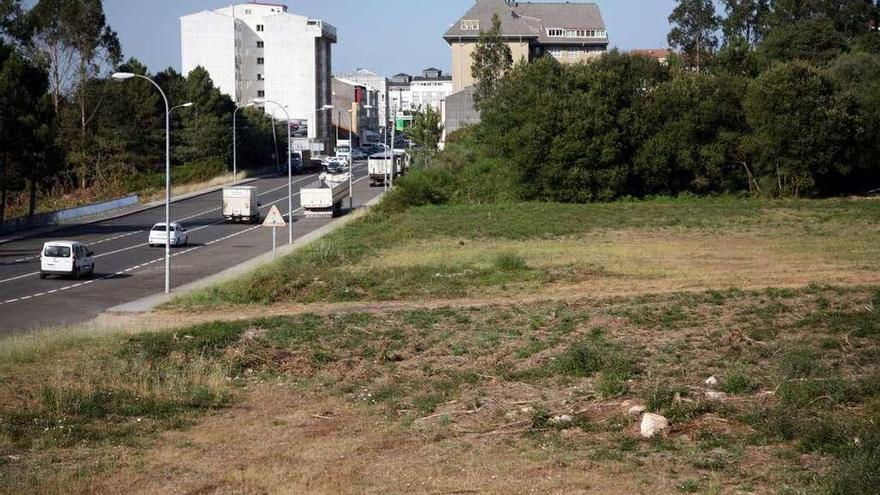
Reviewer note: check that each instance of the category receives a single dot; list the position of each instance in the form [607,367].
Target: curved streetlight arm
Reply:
[128,75]
[289,167]
[185,105]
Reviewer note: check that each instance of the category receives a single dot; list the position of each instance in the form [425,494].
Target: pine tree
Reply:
[695,25]
[491,60]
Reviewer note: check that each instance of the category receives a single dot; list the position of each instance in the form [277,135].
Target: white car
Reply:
[179,235]
[66,258]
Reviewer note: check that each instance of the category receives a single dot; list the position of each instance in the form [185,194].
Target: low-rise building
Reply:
[400,94]
[661,55]
[373,81]
[355,112]
[430,89]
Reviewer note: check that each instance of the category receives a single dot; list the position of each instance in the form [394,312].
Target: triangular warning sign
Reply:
[274,218]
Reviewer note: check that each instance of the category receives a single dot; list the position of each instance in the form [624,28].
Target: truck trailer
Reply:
[323,198]
[381,167]
[240,204]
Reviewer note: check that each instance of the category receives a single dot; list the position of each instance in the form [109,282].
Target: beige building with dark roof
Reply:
[568,31]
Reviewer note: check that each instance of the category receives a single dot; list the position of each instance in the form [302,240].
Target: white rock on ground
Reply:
[711,381]
[636,410]
[561,419]
[716,395]
[653,424]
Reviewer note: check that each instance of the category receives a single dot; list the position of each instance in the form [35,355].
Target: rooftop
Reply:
[530,20]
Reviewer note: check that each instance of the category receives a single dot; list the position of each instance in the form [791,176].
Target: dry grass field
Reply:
[483,352]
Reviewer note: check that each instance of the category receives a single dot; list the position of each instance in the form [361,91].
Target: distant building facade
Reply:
[661,55]
[400,94]
[570,32]
[355,112]
[430,89]
[373,81]
[259,50]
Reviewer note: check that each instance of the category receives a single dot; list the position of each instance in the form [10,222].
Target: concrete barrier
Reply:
[56,217]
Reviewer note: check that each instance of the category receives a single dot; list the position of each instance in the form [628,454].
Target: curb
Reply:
[136,210]
[150,303]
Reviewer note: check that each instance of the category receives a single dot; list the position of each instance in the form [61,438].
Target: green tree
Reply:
[745,21]
[25,125]
[811,40]
[205,136]
[849,17]
[491,60]
[13,24]
[799,130]
[570,132]
[857,77]
[696,122]
[78,45]
[695,25]
[426,128]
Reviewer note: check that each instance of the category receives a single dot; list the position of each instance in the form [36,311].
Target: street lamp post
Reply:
[123,76]
[289,167]
[235,144]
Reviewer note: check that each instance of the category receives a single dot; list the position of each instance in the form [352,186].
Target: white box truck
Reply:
[323,198]
[240,204]
[382,166]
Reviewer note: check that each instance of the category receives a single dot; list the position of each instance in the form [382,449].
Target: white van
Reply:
[179,236]
[68,258]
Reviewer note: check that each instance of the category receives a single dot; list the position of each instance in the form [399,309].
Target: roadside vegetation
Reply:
[550,250]
[540,385]
[72,135]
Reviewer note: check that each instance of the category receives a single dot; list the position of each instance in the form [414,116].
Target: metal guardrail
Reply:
[56,217]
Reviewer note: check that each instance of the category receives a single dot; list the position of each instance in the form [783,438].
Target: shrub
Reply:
[593,355]
[857,472]
[738,382]
[510,262]
[203,339]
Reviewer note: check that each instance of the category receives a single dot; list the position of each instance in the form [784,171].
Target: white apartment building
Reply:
[400,94]
[374,82]
[260,50]
[430,88]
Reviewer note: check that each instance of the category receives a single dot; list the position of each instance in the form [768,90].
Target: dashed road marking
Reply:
[129,234]
[142,265]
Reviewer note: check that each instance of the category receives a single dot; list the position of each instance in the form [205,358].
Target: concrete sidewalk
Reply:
[152,302]
[121,212]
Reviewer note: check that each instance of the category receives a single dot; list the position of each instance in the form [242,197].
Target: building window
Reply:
[260,44]
[259,77]
[261,94]
[555,32]
[259,28]
[248,11]
[470,25]
[260,61]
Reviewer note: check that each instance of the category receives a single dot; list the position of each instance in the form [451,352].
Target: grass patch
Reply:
[738,382]
[532,382]
[458,251]
[595,354]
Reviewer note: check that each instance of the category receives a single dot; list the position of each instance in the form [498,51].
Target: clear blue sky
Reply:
[388,36]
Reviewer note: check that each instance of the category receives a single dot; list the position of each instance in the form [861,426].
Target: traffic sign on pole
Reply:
[274,218]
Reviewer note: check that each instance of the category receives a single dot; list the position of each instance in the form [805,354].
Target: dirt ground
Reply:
[298,443]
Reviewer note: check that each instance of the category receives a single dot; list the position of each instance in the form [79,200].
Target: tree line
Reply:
[68,130]
[771,97]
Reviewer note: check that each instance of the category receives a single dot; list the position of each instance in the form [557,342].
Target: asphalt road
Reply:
[126,269]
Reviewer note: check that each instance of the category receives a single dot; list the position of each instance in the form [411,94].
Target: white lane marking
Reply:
[129,234]
[137,267]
